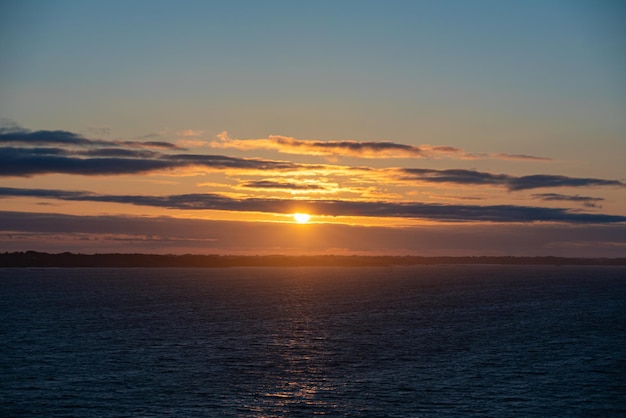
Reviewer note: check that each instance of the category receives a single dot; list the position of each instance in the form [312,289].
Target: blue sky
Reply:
[493,59]
[536,78]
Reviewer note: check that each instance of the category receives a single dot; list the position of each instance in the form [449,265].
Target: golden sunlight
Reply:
[301,218]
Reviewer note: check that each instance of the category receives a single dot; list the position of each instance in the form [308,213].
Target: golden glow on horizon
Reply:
[27,204]
[301,218]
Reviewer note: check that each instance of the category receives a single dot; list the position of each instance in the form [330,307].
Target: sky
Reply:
[401,127]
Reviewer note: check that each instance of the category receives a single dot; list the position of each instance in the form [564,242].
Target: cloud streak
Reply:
[512,183]
[27,162]
[359,149]
[415,210]
[586,201]
[16,135]
[270,184]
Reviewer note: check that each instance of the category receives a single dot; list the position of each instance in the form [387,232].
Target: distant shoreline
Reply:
[41,259]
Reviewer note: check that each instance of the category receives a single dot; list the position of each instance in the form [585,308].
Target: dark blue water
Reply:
[396,342]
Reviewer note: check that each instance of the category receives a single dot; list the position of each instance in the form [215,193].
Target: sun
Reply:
[301,218]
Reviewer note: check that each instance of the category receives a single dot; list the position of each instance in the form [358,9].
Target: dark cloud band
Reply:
[441,212]
[96,234]
[471,177]
[17,135]
[26,162]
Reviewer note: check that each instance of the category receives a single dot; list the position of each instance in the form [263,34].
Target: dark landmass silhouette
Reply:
[41,259]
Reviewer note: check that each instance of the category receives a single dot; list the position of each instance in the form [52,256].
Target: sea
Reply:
[410,341]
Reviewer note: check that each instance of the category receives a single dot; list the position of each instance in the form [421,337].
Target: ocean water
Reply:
[383,342]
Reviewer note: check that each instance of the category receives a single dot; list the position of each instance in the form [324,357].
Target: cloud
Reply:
[546,180]
[589,202]
[415,210]
[117,153]
[26,162]
[360,149]
[472,177]
[270,184]
[222,161]
[506,156]
[291,145]
[63,152]
[13,134]
[449,197]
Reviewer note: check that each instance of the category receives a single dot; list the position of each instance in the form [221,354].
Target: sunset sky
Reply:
[401,127]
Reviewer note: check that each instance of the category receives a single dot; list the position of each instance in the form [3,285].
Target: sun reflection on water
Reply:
[297,377]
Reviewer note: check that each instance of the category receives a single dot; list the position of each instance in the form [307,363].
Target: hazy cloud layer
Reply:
[441,212]
[360,149]
[471,177]
[58,233]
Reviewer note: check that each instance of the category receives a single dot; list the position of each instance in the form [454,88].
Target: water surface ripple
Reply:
[386,342]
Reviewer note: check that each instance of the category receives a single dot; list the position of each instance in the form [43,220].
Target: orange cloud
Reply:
[359,149]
